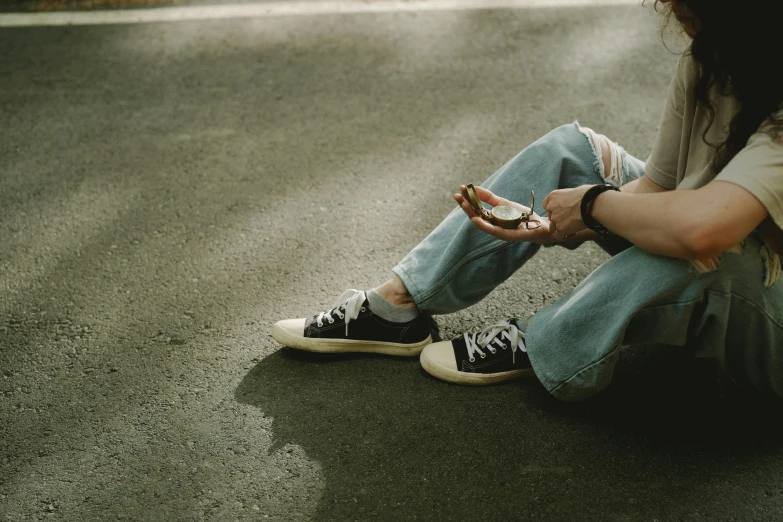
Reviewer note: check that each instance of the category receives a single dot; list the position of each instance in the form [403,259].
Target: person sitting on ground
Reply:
[695,235]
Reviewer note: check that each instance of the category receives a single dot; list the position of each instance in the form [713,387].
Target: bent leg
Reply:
[639,298]
[457,264]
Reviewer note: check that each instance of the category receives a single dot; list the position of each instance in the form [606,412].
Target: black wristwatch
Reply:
[587,208]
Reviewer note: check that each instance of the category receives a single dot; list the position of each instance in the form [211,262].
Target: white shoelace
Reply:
[349,302]
[493,337]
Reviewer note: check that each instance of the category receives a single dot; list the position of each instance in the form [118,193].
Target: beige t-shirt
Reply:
[681,159]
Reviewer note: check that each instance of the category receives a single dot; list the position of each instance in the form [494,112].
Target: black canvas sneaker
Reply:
[352,327]
[492,355]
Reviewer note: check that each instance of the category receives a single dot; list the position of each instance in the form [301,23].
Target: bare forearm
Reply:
[658,223]
[687,224]
[642,185]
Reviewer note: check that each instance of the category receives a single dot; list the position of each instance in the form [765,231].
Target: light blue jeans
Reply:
[728,314]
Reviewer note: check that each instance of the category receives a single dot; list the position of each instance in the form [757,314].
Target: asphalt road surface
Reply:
[170,190]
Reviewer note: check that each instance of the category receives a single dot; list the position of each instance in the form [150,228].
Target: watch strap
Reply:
[587,207]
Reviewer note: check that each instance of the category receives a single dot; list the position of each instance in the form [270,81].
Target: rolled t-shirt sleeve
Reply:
[758,168]
[662,164]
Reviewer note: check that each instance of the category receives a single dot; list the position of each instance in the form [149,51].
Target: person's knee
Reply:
[575,143]
[564,137]
[565,143]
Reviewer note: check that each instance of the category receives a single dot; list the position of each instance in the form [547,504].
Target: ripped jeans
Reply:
[728,314]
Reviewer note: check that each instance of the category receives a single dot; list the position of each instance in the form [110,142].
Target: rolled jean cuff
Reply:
[413,290]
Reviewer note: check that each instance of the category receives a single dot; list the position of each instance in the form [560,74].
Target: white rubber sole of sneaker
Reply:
[286,338]
[473,379]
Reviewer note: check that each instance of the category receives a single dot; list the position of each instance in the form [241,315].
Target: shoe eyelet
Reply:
[364,309]
[472,359]
[320,325]
[483,355]
[331,321]
[494,352]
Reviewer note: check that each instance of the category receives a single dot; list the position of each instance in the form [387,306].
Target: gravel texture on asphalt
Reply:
[169,191]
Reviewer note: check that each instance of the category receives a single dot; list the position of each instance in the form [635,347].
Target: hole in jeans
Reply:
[607,156]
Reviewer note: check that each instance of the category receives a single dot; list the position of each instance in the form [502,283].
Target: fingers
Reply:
[562,235]
[489,228]
[539,235]
[464,195]
[557,235]
[486,196]
[548,200]
[489,197]
[464,203]
[481,193]
[477,220]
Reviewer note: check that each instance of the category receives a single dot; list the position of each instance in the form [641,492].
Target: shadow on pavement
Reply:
[395,442]
[146,170]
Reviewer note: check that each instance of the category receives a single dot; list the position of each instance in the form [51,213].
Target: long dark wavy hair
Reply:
[739,47]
